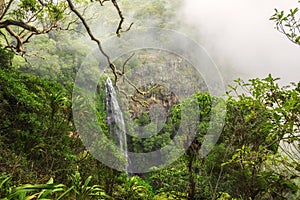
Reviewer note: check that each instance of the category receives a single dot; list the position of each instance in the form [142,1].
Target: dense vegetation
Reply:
[42,156]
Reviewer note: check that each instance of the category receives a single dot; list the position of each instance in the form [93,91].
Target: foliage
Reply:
[40,191]
[247,161]
[170,181]
[20,20]
[257,121]
[78,190]
[24,99]
[82,189]
[256,157]
[5,184]
[6,57]
[133,188]
[288,24]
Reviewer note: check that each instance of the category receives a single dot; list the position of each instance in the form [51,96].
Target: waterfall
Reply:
[115,120]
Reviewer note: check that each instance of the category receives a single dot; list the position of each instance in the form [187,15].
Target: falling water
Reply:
[115,119]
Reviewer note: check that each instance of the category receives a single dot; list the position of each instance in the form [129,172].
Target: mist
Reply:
[241,39]
[237,34]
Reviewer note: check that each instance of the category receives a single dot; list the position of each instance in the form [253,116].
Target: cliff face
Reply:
[156,77]
[140,104]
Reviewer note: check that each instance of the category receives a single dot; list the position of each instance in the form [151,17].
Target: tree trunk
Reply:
[192,185]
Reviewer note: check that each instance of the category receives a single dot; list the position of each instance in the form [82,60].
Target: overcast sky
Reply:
[237,33]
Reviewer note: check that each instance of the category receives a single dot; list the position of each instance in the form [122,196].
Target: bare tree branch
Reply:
[126,61]
[19,47]
[102,1]
[8,22]
[119,29]
[120,15]
[93,38]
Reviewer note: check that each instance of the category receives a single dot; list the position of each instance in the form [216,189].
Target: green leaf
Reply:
[86,182]
[297,40]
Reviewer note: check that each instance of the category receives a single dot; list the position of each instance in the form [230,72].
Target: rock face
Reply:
[115,120]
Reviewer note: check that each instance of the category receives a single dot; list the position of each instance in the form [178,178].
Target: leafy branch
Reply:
[288,24]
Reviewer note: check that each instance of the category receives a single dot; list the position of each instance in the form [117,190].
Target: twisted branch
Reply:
[93,38]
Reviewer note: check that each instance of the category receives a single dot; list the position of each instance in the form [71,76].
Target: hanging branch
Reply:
[126,61]
[102,1]
[120,15]
[93,38]
[119,29]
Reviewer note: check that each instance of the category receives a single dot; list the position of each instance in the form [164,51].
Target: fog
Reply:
[238,34]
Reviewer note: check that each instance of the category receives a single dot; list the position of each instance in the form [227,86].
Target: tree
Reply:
[21,20]
[258,122]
